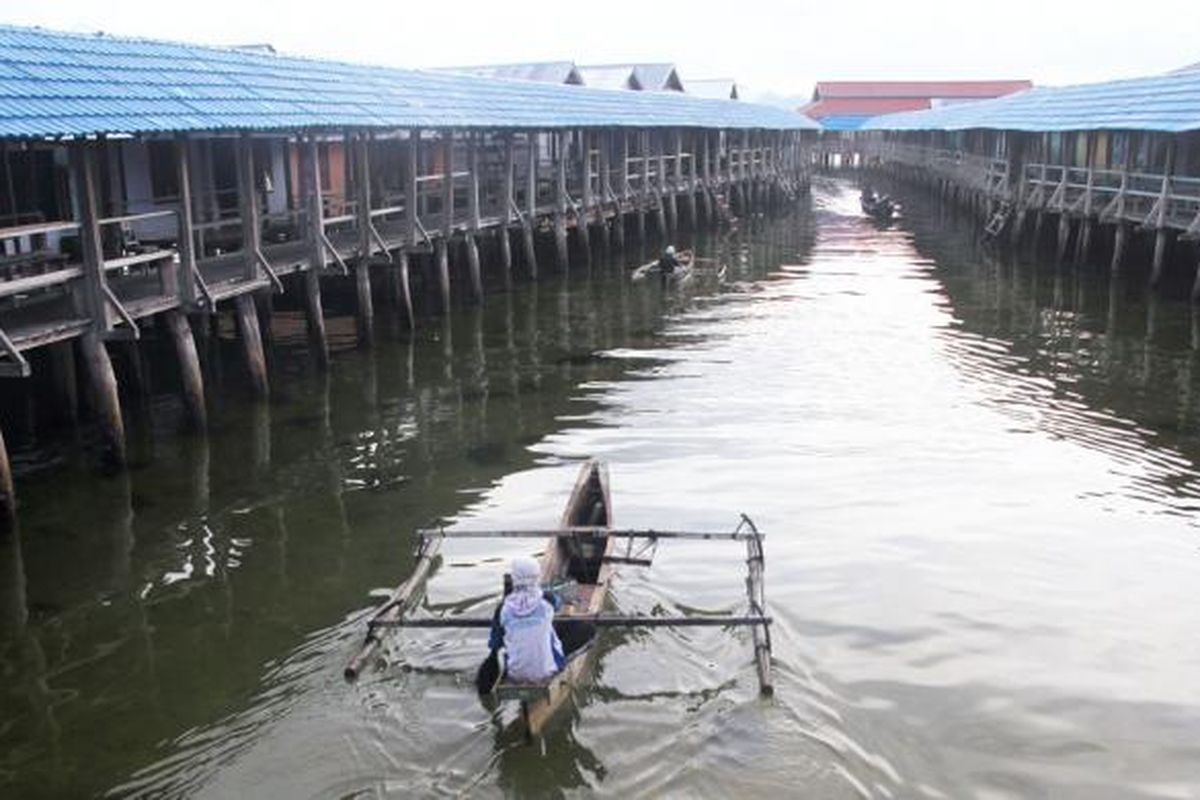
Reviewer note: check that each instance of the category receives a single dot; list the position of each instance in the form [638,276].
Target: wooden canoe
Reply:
[580,559]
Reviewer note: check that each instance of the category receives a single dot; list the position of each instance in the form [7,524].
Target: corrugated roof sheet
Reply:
[926,89]
[1157,103]
[57,84]
[843,122]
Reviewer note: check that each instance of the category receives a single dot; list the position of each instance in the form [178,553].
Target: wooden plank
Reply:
[36,282]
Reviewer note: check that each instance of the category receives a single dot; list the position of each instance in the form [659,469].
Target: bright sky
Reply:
[768,46]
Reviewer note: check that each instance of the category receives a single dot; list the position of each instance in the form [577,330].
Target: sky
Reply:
[768,47]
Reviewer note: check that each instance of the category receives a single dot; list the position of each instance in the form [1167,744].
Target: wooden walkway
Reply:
[359,207]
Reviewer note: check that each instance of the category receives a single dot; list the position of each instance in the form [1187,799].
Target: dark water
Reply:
[978,477]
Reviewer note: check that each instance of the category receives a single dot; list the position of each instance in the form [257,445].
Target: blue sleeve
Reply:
[553,599]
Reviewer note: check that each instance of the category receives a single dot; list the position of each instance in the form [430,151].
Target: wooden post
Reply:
[1161,231]
[83,163]
[603,179]
[475,222]
[252,349]
[644,188]
[1084,245]
[693,181]
[621,192]
[185,222]
[64,382]
[707,179]
[510,165]
[105,398]
[362,268]
[8,497]
[248,208]
[744,172]
[560,200]
[310,156]
[195,413]
[658,186]
[443,252]
[583,219]
[672,188]
[531,185]
[410,223]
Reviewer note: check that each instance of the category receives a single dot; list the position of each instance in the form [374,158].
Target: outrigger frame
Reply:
[393,613]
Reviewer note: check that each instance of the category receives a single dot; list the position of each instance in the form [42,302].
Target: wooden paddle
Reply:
[488,674]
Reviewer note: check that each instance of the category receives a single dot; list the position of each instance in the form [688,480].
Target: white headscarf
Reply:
[527,591]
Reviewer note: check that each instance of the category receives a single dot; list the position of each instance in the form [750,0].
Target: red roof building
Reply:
[845,105]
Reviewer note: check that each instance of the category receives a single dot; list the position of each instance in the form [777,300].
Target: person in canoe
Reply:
[668,263]
[523,626]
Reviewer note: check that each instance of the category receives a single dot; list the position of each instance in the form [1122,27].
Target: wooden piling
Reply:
[693,180]
[1160,252]
[8,495]
[1064,235]
[252,348]
[404,288]
[195,412]
[1119,241]
[106,401]
[64,382]
[1196,285]
[441,254]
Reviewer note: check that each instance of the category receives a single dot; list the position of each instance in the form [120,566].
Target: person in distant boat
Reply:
[668,263]
[524,626]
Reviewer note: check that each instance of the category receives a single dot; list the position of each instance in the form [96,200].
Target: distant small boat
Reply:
[879,207]
[680,274]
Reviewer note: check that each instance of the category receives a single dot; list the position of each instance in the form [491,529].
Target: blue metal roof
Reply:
[1168,103]
[64,84]
[843,122]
